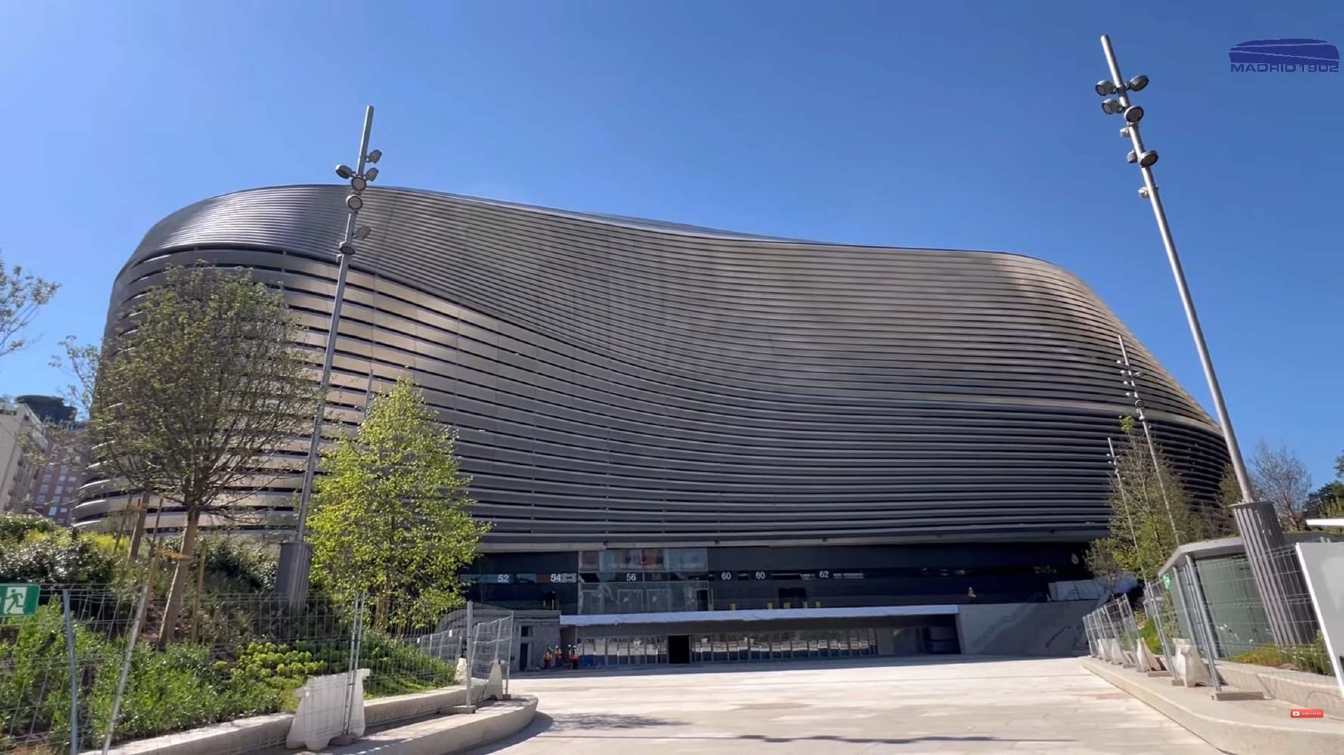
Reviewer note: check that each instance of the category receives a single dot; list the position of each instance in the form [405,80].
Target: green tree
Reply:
[22,296]
[1145,525]
[391,516]
[195,393]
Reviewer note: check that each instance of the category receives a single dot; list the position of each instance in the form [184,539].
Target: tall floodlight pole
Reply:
[1259,528]
[295,556]
[1130,379]
[1124,499]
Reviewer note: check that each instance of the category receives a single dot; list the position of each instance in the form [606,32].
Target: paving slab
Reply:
[958,705]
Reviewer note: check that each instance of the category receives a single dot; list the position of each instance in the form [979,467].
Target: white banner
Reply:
[1323,566]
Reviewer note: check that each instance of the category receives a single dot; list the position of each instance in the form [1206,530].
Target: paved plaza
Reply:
[956,706]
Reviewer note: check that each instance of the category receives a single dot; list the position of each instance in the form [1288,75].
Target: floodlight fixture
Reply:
[358,184]
[1137,83]
[1133,114]
[374,156]
[354,202]
[344,171]
[1112,106]
[1148,159]
[1131,157]
[362,232]
[370,174]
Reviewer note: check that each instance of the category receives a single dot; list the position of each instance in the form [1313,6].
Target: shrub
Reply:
[1148,632]
[236,566]
[396,667]
[33,549]
[34,685]
[15,528]
[1311,657]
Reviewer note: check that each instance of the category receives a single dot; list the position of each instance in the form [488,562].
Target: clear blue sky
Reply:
[964,125]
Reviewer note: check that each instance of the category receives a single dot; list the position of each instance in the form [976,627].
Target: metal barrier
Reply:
[1203,621]
[86,670]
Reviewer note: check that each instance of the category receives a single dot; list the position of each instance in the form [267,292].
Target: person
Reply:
[546,659]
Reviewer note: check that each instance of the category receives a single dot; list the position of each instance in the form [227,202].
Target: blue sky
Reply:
[963,125]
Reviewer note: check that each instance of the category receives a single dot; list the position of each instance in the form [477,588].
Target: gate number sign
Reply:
[18,600]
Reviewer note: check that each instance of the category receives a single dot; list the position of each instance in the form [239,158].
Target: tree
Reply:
[22,296]
[80,362]
[1281,479]
[391,516]
[195,392]
[1145,525]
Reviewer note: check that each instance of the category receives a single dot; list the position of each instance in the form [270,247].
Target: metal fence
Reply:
[1203,622]
[88,668]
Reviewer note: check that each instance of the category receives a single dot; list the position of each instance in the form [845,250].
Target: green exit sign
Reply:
[18,600]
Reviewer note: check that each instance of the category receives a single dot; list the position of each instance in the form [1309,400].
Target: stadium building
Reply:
[702,445]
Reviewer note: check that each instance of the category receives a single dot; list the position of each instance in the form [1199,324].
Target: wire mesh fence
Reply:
[1203,621]
[1238,630]
[489,656]
[92,667]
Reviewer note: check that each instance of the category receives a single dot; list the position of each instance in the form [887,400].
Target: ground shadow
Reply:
[574,726]
[571,723]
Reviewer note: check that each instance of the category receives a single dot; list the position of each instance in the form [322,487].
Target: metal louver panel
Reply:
[622,382]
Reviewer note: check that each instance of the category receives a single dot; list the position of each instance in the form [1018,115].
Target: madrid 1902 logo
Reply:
[1284,56]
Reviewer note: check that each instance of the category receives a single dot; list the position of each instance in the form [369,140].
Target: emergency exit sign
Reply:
[18,600]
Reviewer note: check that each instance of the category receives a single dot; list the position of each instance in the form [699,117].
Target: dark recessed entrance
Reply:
[679,648]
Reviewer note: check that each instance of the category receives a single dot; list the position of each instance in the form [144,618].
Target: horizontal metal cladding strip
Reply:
[617,382]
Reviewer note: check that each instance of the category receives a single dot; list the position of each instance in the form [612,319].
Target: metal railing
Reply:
[1203,622]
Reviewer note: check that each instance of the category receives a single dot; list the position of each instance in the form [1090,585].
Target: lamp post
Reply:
[1259,528]
[1129,377]
[296,555]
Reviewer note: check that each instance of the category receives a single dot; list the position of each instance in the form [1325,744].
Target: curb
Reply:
[448,734]
[1241,728]
[259,733]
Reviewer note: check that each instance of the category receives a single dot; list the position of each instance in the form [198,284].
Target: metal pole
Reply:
[74,671]
[1124,499]
[297,561]
[1260,533]
[352,673]
[126,666]
[1131,379]
[471,651]
[1192,318]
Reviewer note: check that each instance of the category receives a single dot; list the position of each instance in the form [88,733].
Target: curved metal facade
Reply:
[619,382]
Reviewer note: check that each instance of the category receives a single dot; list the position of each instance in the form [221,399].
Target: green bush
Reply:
[233,565]
[15,528]
[55,557]
[1311,657]
[397,668]
[1148,631]
[167,690]
[35,687]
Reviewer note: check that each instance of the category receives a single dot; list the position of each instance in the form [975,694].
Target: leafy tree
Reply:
[80,362]
[22,296]
[193,395]
[1281,479]
[391,516]
[1146,526]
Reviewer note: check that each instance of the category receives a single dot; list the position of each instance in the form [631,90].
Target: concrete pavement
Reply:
[953,705]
